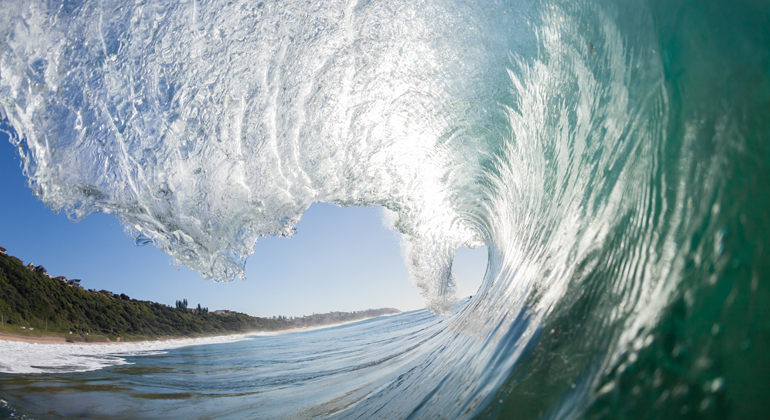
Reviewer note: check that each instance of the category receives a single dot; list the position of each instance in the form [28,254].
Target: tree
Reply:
[181,304]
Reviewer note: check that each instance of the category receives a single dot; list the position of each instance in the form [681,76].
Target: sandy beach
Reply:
[78,340]
[75,339]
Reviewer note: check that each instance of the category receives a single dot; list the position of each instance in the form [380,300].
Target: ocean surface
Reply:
[309,374]
[612,155]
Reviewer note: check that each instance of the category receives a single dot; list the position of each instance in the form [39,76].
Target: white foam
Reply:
[24,358]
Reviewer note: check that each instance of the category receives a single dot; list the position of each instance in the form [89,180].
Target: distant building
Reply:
[105,293]
[61,279]
[74,283]
[2,251]
[223,311]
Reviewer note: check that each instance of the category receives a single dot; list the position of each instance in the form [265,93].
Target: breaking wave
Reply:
[603,152]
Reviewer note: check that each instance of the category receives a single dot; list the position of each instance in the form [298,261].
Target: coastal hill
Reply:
[33,303]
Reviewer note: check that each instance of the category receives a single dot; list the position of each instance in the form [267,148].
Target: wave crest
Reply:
[205,125]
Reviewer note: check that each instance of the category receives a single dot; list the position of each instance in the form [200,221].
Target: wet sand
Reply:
[52,339]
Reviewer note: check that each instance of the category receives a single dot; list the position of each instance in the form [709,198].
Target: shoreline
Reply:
[55,339]
[77,339]
[24,354]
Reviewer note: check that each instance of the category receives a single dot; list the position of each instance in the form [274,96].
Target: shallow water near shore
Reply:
[22,357]
[304,374]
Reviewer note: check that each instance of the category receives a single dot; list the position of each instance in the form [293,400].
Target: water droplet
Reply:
[717,384]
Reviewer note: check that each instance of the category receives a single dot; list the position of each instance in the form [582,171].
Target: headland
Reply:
[38,308]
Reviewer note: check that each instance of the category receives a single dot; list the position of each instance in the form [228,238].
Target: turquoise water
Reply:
[611,155]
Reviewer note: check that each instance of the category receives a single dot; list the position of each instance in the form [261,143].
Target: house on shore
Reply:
[38,269]
[2,251]
[223,311]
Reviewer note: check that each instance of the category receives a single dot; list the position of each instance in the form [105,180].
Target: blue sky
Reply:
[341,259]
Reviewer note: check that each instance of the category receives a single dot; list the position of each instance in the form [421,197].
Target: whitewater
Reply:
[26,358]
[611,155]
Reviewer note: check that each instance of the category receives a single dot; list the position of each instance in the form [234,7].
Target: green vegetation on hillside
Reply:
[32,300]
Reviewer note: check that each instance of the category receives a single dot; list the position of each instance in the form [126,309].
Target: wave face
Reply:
[609,154]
